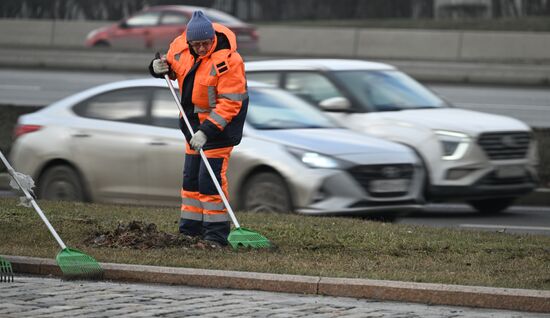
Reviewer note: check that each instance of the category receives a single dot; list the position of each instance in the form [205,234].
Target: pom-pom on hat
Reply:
[199,28]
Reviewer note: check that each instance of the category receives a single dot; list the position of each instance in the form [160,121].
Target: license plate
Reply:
[390,185]
[504,172]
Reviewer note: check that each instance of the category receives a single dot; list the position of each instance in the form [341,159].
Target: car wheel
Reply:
[60,183]
[102,44]
[491,206]
[266,192]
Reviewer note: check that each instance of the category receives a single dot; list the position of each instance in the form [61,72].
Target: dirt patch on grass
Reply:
[140,235]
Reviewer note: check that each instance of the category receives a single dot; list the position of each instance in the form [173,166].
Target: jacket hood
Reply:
[231,37]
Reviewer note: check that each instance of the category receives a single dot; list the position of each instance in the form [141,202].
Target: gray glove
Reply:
[198,140]
[160,66]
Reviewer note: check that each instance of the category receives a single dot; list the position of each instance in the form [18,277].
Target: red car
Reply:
[155,27]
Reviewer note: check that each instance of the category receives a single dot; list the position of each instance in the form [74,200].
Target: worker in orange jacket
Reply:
[214,97]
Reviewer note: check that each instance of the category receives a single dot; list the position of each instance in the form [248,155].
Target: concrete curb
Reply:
[432,294]
[326,40]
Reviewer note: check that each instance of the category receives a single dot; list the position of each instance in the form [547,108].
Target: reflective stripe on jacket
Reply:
[219,95]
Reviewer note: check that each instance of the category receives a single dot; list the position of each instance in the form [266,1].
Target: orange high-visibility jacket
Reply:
[219,92]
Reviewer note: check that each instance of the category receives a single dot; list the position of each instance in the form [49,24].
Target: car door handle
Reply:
[157,143]
[81,135]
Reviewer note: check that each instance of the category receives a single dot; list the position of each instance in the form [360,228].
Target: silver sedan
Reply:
[120,143]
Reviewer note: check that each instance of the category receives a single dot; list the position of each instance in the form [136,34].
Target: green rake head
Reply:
[76,265]
[6,272]
[241,237]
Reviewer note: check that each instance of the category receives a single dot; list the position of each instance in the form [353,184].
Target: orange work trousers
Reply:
[203,212]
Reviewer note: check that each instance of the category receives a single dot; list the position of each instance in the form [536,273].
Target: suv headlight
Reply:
[454,144]
[314,159]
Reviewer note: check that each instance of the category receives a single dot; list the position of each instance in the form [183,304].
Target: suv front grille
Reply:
[365,174]
[505,145]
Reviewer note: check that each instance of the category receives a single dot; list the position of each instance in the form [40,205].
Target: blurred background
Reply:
[284,10]
[485,55]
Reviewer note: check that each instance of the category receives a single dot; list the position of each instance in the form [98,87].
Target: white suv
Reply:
[483,159]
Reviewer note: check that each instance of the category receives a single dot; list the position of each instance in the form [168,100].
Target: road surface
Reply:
[37,88]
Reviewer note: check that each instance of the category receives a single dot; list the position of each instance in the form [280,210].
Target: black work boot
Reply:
[191,228]
[216,232]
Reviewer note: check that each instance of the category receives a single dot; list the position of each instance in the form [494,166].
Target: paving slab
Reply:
[430,294]
[39,297]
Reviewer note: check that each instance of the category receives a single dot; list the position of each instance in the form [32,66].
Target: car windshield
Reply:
[271,108]
[388,90]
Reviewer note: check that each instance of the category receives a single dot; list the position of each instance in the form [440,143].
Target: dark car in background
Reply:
[155,27]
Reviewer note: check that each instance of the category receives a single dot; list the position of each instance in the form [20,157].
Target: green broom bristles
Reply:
[74,264]
[241,237]
[6,272]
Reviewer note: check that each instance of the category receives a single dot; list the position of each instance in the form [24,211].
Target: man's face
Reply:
[201,47]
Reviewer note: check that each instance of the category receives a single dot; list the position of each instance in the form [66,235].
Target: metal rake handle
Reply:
[203,156]
[29,197]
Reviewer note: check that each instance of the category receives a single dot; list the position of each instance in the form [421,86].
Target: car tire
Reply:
[266,192]
[492,206]
[60,183]
[102,44]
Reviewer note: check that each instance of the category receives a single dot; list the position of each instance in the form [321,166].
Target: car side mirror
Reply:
[123,25]
[335,104]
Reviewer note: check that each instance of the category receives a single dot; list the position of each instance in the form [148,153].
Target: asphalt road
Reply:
[516,219]
[35,88]
[531,105]
[38,88]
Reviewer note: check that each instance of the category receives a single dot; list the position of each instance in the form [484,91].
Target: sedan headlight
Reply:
[454,144]
[314,159]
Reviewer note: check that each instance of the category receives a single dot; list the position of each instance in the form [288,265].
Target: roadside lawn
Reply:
[317,246]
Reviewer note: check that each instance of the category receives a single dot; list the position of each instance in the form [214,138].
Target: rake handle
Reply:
[29,197]
[203,156]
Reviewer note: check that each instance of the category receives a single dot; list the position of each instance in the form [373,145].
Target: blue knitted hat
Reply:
[199,27]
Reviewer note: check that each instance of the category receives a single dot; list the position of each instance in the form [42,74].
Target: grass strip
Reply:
[318,246]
